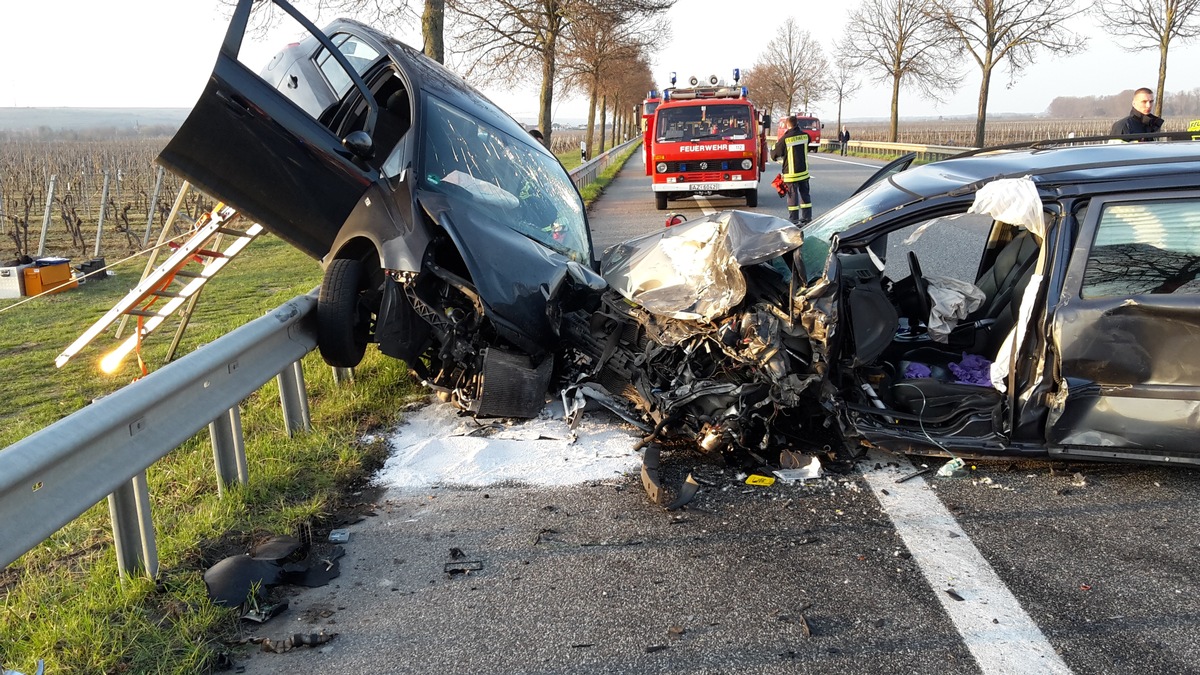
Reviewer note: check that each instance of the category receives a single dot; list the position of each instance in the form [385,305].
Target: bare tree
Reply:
[757,80]
[515,40]
[901,41]
[791,69]
[842,85]
[433,21]
[599,40]
[1151,24]
[1007,31]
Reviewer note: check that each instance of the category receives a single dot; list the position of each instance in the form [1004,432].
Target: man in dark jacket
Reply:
[792,149]
[1140,119]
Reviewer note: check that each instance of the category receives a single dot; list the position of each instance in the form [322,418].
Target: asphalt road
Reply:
[1083,568]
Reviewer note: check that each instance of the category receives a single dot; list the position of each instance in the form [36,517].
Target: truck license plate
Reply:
[703,187]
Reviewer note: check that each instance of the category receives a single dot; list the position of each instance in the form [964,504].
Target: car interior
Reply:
[929,382]
[395,111]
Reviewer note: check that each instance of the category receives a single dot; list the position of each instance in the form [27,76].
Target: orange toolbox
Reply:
[49,274]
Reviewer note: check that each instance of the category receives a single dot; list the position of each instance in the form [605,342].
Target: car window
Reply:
[497,176]
[358,53]
[947,246]
[1145,248]
[819,234]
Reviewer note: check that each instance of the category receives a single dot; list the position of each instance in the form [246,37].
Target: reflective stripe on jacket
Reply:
[792,147]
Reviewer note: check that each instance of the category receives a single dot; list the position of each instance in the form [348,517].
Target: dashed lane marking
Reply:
[1001,636]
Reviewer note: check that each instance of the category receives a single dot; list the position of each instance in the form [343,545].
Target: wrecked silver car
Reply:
[1062,316]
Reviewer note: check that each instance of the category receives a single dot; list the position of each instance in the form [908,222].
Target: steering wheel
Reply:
[921,286]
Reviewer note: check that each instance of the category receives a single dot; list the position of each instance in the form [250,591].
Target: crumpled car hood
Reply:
[692,271]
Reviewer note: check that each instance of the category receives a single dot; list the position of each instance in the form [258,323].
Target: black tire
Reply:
[660,200]
[751,198]
[343,324]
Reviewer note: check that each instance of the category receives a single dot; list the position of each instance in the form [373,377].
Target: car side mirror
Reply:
[822,125]
[766,120]
[360,143]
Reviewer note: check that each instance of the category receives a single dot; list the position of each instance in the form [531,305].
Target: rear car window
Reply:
[1145,248]
[358,53]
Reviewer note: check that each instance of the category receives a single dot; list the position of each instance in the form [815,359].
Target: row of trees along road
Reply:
[918,44]
[599,47]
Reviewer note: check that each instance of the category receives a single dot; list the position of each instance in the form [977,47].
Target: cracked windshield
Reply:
[485,168]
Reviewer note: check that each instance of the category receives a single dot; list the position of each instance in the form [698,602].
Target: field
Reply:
[999,132]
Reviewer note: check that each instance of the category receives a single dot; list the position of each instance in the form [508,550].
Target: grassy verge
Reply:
[571,159]
[63,601]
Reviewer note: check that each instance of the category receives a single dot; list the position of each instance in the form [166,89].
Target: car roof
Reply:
[430,77]
[1051,167]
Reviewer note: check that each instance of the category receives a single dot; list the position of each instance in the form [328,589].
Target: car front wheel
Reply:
[343,323]
[751,198]
[660,200]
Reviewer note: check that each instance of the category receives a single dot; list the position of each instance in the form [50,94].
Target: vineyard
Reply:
[74,176]
[961,132]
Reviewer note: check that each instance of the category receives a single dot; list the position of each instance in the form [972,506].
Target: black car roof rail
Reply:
[1083,140]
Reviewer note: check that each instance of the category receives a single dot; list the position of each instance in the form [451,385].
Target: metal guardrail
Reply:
[928,153]
[587,173]
[54,475]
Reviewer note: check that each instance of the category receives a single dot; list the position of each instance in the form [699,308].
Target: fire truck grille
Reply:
[702,177]
[713,165]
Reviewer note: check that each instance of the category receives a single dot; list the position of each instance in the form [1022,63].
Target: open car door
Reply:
[247,144]
[891,168]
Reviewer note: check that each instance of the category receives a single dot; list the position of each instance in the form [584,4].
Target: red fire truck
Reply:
[647,108]
[705,140]
[809,125]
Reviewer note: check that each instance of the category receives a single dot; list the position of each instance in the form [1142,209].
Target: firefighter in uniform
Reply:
[792,148]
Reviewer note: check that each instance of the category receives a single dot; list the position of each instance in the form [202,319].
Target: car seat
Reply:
[1004,284]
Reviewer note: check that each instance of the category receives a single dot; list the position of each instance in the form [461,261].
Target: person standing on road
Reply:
[1140,120]
[792,149]
[844,138]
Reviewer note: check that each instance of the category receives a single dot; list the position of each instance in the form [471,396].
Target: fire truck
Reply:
[809,125]
[647,108]
[705,140]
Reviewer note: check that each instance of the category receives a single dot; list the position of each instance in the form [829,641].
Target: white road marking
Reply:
[845,161]
[705,205]
[1000,635]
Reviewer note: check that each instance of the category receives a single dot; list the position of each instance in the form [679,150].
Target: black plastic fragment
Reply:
[687,492]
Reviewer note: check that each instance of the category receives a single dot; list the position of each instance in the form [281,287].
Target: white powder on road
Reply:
[436,446]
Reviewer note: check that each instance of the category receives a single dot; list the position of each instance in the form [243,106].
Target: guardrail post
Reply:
[229,450]
[294,398]
[133,527]
[343,375]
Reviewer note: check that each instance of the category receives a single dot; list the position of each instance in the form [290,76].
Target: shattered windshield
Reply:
[482,167]
[860,207]
[698,122]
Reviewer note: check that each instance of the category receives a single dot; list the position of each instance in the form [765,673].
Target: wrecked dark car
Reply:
[449,236]
[1034,301]
[1022,301]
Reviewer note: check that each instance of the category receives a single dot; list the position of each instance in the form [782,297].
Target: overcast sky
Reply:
[158,53]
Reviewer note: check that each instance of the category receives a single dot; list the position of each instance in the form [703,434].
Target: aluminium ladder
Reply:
[176,281]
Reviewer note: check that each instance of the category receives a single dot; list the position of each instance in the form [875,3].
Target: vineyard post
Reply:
[46,216]
[87,203]
[103,210]
[153,207]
